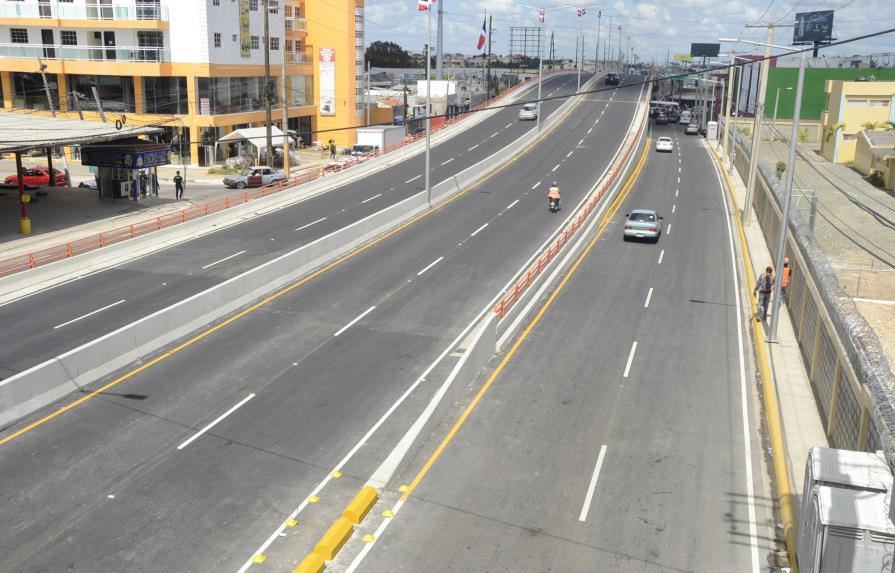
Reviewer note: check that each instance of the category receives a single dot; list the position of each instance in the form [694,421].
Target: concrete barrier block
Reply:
[362,503]
[313,563]
[333,540]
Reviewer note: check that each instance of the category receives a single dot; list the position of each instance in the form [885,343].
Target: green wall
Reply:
[814,99]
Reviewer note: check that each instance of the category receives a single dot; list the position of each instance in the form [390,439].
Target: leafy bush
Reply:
[781,167]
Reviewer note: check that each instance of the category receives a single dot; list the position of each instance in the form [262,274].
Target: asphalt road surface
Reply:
[191,463]
[613,440]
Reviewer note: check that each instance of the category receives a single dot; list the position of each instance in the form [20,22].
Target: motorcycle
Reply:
[554,205]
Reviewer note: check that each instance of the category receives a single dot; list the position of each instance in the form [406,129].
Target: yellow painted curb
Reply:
[769,393]
[362,503]
[334,539]
[313,563]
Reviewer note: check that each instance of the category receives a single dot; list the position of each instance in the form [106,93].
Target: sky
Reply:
[655,28]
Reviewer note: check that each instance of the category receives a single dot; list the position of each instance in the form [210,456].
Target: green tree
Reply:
[388,55]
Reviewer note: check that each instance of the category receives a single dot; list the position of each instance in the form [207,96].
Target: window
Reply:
[879,103]
[274,43]
[288,10]
[255,43]
[18,35]
[216,2]
[116,92]
[234,37]
[856,102]
[233,95]
[165,95]
[69,37]
[28,90]
[273,6]
[217,39]
[289,46]
[253,5]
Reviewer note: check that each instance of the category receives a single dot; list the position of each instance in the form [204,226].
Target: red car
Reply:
[37,177]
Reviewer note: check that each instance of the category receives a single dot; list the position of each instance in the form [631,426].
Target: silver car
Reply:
[529,111]
[643,224]
[254,177]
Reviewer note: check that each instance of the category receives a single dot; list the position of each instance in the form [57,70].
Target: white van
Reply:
[529,111]
[686,117]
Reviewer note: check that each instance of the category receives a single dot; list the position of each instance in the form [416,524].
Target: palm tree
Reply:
[890,125]
[872,126]
[830,130]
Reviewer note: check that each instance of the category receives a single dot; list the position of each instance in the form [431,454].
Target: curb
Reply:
[769,392]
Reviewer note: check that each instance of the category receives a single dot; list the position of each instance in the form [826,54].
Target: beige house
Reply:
[874,151]
[851,105]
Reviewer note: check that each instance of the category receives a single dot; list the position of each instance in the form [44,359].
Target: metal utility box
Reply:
[711,131]
[844,526]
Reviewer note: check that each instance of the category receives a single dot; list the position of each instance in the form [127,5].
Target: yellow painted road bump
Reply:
[291,522]
[369,538]
[314,498]
[403,488]
[313,563]
[259,558]
[388,513]
[334,539]
[362,503]
[336,474]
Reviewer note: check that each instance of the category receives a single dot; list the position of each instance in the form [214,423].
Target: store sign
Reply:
[683,58]
[327,62]
[204,106]
[245,31]
[124,158]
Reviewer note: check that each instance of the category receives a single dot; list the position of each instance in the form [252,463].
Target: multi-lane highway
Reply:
[82,310]
[622,434]
[194,462]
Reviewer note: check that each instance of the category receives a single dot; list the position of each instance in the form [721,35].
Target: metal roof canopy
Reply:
[20,131]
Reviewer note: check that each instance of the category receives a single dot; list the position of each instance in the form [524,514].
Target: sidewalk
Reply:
[801,422]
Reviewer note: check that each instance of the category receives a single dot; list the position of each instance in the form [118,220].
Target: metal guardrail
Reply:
[66,11]
[852,381]
[299,58]
[70,249]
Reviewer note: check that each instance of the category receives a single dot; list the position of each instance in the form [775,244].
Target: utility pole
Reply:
[268,92]
[552,57]
[439,67]
[609,45]
[756,128]
[488,74]
[597,48]
[540,74]
[367,98]
[730,85]
[285,119]
[99,104]
[43,74]
[578,62]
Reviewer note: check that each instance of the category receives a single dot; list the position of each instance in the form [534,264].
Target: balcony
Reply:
[299,58]
[86,53]
[65,11]
[296,25]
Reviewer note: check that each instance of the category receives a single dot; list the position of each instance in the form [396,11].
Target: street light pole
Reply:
[540,77]
[730,82]
[268,92]
[428,98]
[756,135]
[597,49]
[787,197]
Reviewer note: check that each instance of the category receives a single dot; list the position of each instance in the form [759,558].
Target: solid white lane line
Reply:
[108,306]
[495,134]
[371,198]
[555,168]
[649,295]
[350,324]
[414,178]
[430,265]
[225,259]
[593,484]
[215,422]
[476,232]
[744,395]
[449,160]
[510,206]
[309,224]
[668,232]
[673,207]
[473,147]
[569,154]
[661,256]
[630,360]
[535,186]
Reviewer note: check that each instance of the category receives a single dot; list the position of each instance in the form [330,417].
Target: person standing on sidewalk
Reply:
[178,186]
[763,289]
[785,279]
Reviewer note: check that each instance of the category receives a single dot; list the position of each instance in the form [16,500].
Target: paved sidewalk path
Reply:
[802,426]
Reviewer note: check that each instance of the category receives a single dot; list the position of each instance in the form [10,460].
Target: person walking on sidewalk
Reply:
[763,289]
[332,149]
[178,186]
[785,279]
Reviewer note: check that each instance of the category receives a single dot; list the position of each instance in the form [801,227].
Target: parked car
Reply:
[36,177]
[254,177]
[529,111]
[692,129]
[664,144]
[88,184]
[612,79]
[686,117]
[363,150]
[661,119]
[643,224]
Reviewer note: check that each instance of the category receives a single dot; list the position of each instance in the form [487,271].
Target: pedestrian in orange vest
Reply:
[785,279]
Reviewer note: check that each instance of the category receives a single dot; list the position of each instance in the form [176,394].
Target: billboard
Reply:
[705,50]
[683,58]
[813,27]
[327,63]
[245,33]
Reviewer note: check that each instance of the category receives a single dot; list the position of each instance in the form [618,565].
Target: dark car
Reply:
[362,149]
[612,80]
[661,119]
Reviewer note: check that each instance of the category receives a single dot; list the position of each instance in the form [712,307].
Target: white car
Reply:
[254,177]
[529,111]
[664,144]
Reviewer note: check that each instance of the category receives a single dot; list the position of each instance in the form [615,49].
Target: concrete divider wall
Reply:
[852,380]
[36,387]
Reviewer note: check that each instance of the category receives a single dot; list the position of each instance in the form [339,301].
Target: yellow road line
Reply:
[769,393]
[281,292]
[607,218]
